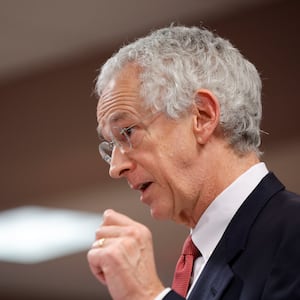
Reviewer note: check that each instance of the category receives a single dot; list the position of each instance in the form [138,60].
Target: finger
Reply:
[104,243]
[109,231]
[99,243]
[94,261]
[111,217]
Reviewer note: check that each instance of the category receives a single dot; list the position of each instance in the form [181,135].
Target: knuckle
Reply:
[132,231]
[138,233]
[108,215]
[146,232]
[91,256]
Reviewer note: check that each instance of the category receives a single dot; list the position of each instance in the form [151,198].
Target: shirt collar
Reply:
[218,215]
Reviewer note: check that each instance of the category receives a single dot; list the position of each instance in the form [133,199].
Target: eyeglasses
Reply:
[125,138]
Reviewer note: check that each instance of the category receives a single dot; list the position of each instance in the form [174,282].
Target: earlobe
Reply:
[207,115]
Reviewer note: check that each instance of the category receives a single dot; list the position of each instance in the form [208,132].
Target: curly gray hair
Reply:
[176,61]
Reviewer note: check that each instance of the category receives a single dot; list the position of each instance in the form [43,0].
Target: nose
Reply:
[120,164]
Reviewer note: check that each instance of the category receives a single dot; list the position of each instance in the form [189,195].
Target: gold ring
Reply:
[100,242]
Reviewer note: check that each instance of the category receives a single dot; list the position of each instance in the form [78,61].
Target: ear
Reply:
[207,115]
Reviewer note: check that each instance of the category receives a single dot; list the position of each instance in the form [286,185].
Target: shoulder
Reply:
[279,223]
[284,233]
[287,206]
[278,206]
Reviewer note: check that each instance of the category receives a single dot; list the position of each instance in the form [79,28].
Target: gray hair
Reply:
[176,61]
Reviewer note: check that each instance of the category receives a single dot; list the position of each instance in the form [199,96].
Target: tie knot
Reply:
[189,248]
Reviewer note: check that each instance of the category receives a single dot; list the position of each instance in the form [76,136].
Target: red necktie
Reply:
[184,267]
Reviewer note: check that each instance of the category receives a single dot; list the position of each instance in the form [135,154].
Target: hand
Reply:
[125,261]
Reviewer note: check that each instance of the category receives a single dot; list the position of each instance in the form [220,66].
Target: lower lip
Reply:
[144,194]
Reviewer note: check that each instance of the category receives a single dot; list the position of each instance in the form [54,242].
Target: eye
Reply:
[127,132]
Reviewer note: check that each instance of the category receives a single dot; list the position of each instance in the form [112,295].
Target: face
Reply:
[162,165]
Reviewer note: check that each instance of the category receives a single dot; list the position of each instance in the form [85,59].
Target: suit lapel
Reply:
[217,273]
[214,278]
[236,234]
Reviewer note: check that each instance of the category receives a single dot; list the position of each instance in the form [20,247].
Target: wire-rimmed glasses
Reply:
[125,138]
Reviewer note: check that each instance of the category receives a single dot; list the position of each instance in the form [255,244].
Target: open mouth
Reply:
[144,186]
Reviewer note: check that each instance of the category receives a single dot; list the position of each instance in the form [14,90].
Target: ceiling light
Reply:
[32,234]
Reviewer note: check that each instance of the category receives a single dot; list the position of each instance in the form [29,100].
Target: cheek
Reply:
[180,172]
[170,157]
[176,170]
[180,154]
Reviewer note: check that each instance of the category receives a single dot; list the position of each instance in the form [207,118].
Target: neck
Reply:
[224,168]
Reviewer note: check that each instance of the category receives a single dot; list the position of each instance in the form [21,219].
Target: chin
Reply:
[159,214]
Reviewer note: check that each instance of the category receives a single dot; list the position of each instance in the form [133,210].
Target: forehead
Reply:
[121,96]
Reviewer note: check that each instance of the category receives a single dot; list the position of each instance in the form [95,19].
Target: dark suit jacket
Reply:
[258,257]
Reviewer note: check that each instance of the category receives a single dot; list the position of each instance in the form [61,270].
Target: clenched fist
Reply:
[122,258]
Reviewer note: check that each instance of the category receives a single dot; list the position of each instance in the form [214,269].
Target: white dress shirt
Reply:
[214,221]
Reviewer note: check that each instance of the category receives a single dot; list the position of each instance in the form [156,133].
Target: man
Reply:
[179,114]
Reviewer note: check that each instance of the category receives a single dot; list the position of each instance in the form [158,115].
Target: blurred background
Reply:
[50,52]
